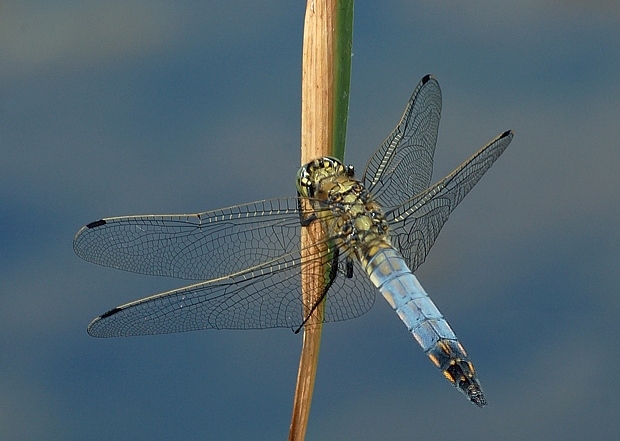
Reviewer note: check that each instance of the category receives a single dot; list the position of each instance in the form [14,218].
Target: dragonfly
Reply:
[246,261]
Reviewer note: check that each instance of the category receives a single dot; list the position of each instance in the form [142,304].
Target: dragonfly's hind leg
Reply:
[333,273]
[349,268]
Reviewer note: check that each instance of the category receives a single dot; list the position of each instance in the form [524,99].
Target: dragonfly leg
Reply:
[349,268]
[305,221]
[333,273]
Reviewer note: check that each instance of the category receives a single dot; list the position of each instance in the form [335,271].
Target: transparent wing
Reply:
[199,246]
[266,296]
[416,224]
[402,166]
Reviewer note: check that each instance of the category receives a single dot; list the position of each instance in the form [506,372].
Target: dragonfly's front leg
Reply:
[304,221]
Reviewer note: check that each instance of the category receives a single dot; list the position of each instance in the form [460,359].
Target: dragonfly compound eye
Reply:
[309,175]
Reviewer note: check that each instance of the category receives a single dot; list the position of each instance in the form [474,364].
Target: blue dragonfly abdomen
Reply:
[389,273]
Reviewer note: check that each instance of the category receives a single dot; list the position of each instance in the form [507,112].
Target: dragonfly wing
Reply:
[352,294]
[402,166]
[416,223]
[267,296]
[199,246]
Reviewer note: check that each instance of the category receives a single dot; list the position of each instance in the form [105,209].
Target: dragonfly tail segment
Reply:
[390,274]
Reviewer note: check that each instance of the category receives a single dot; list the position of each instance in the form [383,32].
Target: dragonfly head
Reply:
[311,174]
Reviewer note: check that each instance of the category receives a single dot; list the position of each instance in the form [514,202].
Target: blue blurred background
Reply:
[133,107]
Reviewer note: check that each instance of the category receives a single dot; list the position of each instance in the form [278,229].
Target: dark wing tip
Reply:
[426,78]
[507,133]
[109,313]
[96,224]
[94,329]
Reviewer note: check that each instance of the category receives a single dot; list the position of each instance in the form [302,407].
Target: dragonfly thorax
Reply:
[351,215]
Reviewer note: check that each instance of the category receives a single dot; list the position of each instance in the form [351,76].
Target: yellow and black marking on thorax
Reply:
[352,218]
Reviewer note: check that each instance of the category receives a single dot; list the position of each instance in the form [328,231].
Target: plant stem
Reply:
[326,69]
